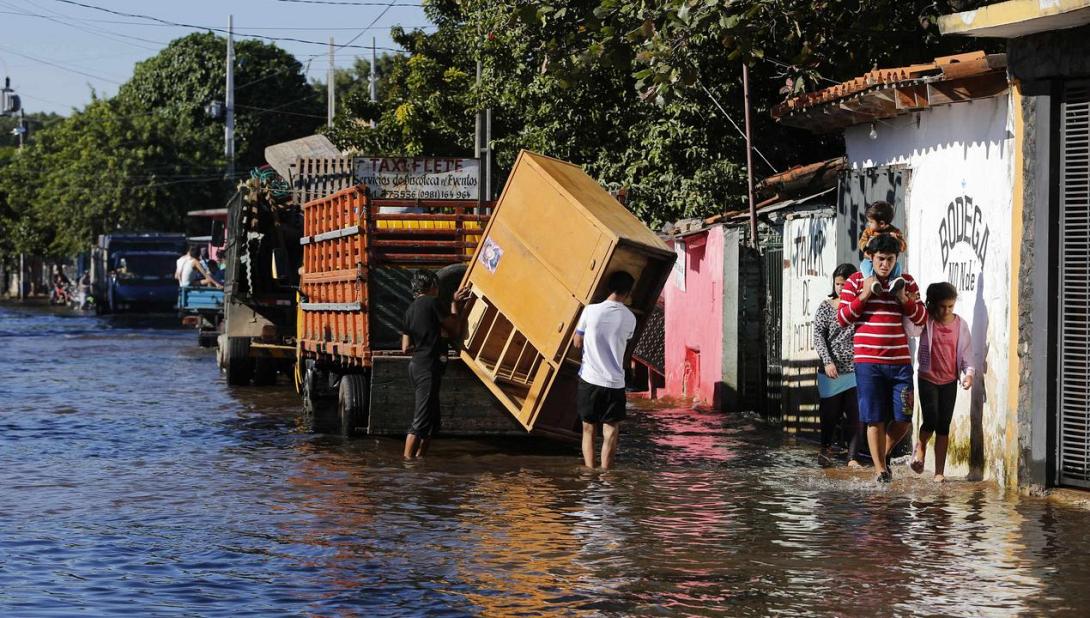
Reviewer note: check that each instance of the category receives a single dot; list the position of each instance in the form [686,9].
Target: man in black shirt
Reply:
[427,327]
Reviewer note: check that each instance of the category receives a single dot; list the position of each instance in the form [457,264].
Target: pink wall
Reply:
[694,318]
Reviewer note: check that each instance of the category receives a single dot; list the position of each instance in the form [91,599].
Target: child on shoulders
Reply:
[880,222]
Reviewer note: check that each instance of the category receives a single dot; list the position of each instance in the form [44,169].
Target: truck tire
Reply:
[319,415]
[236,359]
[450,277]
[353,398]
[264,371]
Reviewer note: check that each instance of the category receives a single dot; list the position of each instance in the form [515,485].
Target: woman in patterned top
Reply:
[836,377]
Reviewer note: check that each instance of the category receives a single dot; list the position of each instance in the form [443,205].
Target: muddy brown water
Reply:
[133,481]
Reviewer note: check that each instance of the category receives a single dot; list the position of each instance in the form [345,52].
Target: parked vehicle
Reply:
[202,307]
[135,271]
[358,257]
[261,256]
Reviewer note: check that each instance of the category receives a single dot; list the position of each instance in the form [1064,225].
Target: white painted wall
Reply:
[959,208]
[809,259]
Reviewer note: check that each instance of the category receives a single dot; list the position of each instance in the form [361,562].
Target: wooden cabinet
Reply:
[553,239]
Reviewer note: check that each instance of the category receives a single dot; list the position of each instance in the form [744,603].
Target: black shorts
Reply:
[598,404]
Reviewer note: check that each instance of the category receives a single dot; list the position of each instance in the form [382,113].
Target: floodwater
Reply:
[134,481]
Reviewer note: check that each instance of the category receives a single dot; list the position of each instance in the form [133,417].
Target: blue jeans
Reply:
[867,268]
[885,392]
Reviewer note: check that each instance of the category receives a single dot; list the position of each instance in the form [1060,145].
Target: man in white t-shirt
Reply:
[180,264]
[603,333]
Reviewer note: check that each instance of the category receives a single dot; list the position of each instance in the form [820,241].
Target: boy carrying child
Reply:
[877,304]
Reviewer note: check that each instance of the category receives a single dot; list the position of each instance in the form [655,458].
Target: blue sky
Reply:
[55,52]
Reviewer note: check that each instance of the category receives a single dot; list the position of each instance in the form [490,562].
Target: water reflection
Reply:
[134,482]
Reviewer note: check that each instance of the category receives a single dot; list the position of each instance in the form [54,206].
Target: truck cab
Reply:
[135,271]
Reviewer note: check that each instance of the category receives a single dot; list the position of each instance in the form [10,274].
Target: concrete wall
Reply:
[959,208]
[694,323]
[809,259]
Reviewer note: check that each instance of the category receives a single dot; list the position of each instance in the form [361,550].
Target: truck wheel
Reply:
[318,414]
[353,398]
[264,371]
[236,359]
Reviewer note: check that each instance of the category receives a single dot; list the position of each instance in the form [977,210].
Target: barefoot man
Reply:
[603,333]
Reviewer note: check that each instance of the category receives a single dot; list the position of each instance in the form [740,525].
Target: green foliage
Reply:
[141,160]
[632,89]
[178,82]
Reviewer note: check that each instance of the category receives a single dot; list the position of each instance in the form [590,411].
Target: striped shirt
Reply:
[879,333]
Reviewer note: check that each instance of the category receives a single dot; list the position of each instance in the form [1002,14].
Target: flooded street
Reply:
[134,481]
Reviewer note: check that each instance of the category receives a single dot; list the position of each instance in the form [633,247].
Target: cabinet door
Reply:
[530,296]
[564,239]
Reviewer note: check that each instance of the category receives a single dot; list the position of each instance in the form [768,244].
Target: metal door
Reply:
[773,323]
[1074,278]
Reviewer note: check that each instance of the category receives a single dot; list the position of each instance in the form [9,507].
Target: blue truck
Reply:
[135,271]
[202,308]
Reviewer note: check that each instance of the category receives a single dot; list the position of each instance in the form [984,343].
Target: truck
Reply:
[359,254]
[261,256]
[134,271]
[201,307]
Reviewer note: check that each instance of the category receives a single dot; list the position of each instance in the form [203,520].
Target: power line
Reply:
[365,28]
[222,30]
[61,67]
[345,3]
[735,125]
[279,111]
[100,32]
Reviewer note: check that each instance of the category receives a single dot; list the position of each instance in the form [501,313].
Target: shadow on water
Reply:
[135,482]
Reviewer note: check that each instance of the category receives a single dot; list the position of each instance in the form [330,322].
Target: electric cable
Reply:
[221,30]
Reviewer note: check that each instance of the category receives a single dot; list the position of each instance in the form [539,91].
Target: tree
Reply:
[643,94]
[141,160]
[273,102]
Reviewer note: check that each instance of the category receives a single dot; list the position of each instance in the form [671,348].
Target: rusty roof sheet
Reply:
[944,69]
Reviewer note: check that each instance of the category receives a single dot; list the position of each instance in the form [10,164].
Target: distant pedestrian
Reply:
[883,362]
[880,221]
[195,273]
[603,332]
[945,355]
[839,406]
[180,264]
[425,332]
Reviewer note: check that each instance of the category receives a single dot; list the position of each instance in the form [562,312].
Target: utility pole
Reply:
[372,80]
[749,161]
[229,130]
[331,96]
[483,144]
[21,129]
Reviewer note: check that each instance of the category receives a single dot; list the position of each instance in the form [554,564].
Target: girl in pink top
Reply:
[944,356]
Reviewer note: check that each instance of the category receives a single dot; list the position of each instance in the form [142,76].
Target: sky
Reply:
[57,52]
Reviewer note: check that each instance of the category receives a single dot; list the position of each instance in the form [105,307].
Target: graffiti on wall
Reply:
[963,243]
[808,266]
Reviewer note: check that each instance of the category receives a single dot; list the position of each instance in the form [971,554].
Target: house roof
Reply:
[1016,18]
[885,93]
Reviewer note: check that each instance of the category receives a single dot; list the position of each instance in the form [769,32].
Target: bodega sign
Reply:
[963,242]
[419,178]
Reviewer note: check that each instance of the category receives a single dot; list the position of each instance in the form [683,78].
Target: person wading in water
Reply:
[839,405]
[425,332]
[883,361]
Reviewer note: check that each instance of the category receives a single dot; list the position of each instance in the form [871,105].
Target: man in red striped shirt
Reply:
[883,362]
